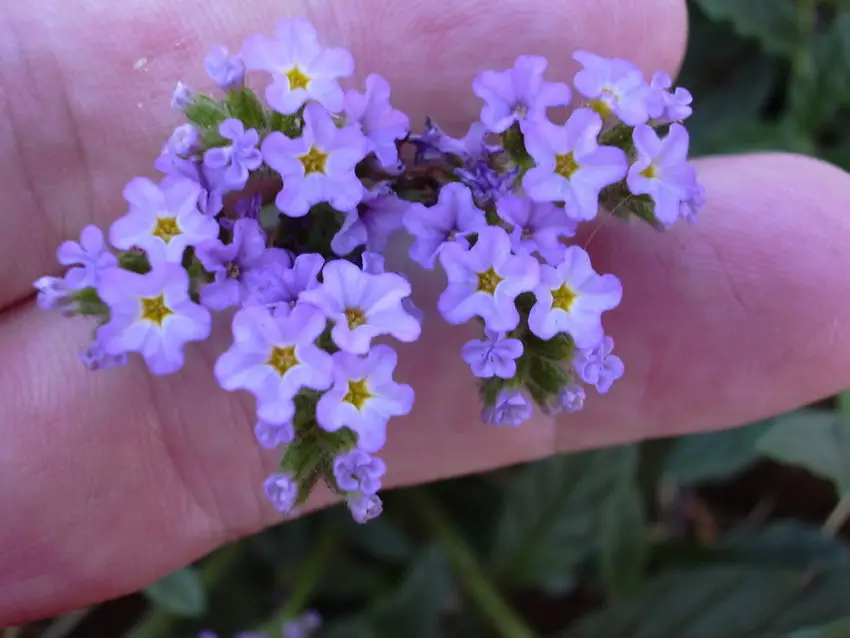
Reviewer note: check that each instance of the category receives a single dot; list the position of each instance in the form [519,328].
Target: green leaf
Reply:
[787,544]
[727,602]
[837,629]
[814,439]
[551,515]
[715,455]
[623,540]
[181,593]
[774,23]
[244,105]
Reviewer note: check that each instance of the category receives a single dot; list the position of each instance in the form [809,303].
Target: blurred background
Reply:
[737,534]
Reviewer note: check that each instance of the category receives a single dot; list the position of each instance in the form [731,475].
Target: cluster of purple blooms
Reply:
[280,212]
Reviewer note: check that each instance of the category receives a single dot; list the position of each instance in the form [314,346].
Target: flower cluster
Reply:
[277,211]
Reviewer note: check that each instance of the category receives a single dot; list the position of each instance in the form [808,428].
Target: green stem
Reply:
[835,521]
[305,582]
[466,568]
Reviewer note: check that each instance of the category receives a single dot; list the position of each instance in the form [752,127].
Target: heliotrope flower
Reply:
[274,357]
[519,93]
[569,400]
[318,166]
[666,105]
[537,226]
[230,264]
[282,491]
[239,158]
[364,507]
[381,123]
[96,358]
[493,356]
[485,280]
[90,257]
[661,170]
[272,435]
[184,140]
[371,223]
[571,298]
[511,408]
[151,314]
[450,219]
[54,294]
[227,71]
[356,470]
[278,282]
[691,207]
[613,86]
[362,305]
[247,207]
[364,396]
[163,219]
[182,97]
[487,184]
[301,68]
[571,167]
[597,366]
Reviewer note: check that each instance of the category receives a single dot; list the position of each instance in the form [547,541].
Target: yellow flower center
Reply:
[563,298]
[155,310]
[358,393]
[282,359]
[602,104]
[355,317]
[297,79]
[566,165]
[233,270]
[166,228]
[488,280]
[314,161]
[650,172]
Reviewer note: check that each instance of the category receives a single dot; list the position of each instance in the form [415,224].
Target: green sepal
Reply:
[289,125]
[548,375]
[244,105]
[514,143]
[619,136]
[206,114]
[558,348]
[134,261]
[87,302]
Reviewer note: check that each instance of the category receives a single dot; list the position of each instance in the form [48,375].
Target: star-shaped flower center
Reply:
[355,317]
[167,228]
[314,161]
[358,393]
[282,359]
[155,310]
[566,165]
[563,298]
[297,79]
[650,172]
[488,280]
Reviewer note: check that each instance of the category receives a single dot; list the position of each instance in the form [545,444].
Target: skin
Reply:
[112,480]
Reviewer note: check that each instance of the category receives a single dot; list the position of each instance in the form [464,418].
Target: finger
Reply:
[743,316]
[126,460]
[87,114]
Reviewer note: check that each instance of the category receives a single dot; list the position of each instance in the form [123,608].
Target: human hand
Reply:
[112,480]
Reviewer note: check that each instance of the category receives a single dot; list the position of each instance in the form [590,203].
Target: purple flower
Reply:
[487,185]
[277,283]
[364,396]
[378,216]
[282,491]
[570,400]
[613,86]
[570,165]
[518,94]
[434,144]
[90,254]
[227,71]
[184,140]
[274,357]
[182,97]
[571,298]
[231,262]
[151,314]
[318,166]
[272,435]
[54,294]
[667,106]
[373,263]
[302,627]
[453,216]
[301,68]
[357,471]
[247,207]
[597,366]
[511,408]
[240,158]
[691,207]
[211,181]
[163,219]
[364,507]
[537,226]
[662,170]
[96,358]
[381,123]
[494,356]
[485,280]
[362,306]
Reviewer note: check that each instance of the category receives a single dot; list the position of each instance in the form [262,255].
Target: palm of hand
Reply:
[113,479]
